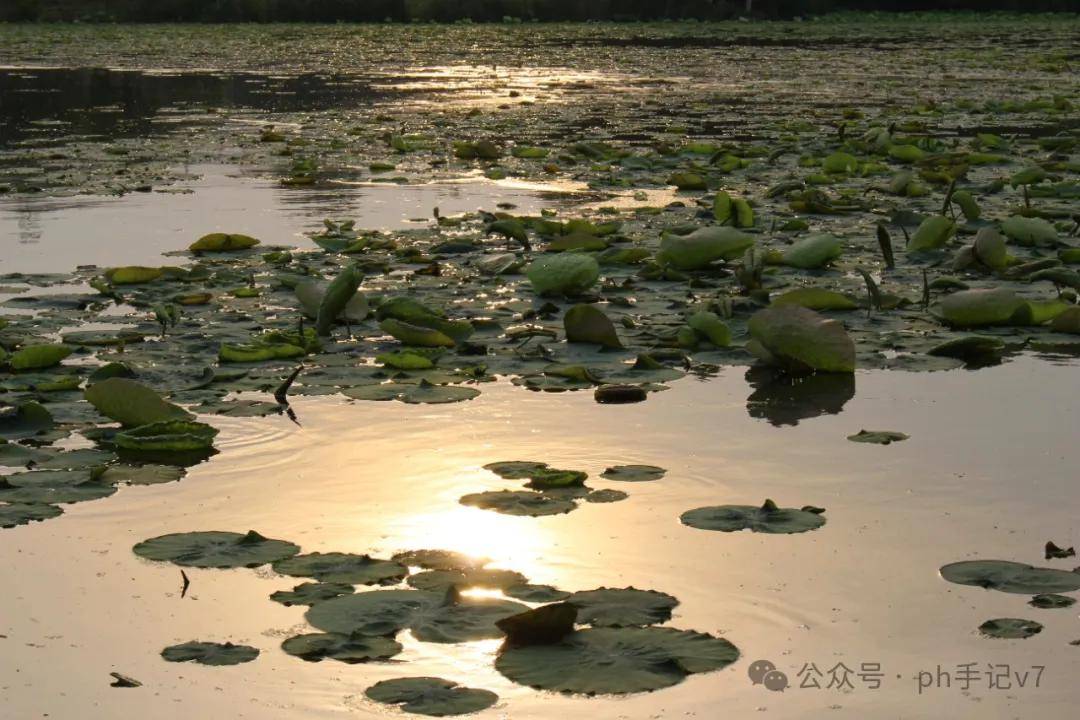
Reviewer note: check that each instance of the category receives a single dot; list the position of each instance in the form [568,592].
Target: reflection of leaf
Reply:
[785,400]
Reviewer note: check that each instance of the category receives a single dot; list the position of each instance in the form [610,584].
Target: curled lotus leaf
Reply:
[131,403]
[982,307]
[337,567]
[35,357]
[210,653]
[616,661]
[817,299]
[223,242]
[311,292]
[13,514]
[588,324]
[812,252]
[443,580]
[351,649]
[540,626]
[1010,628]
[169,436]
[932,234]
[1011,577]
[415,335]
[215,549]
[432,617]
[550,478]
[438,560]
[702,247]
[133,274]
[622,607]
[519,502]
[768,518]
[431,696]
[310,593]
[634,473]
[1030,231]
[566,273]
[800,340]
[515,469]
[970,348]
[879,437]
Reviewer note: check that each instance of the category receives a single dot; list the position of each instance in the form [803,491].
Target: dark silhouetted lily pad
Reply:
[1051,601]
[1010,628]
[209,653]
[343,568]
[310,593]
[607,495]
[634,473]
[438,560]
[535,593]
[515,469]
[518,502]
[879,437]
[431,696]
[351,649]
[12,514]
[540,626]
[600,661]
[622,607]
[765,519]
[1011,577]
[215,549]
[443,580]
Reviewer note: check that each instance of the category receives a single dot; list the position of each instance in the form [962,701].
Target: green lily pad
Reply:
[812,252]
[1051,601]
[1010,628]
[568,273]
[142,474]
[588,324]
[310,593]
[133,275]
[35,357]
[416,335]
[518,502]
[75,459]
[607,495]
[515,469]
[171,436]
[215,549]
[622,607]
[701,248]
[550,478]
[351,649]
[932,234]
[634,473]
[443,580]
[13,514]
[710,327]
[343,568]
[222,242]
[425,393]
[1030,231]
[879,437]
[431,696]
[970,348]
[800,340]
[432,617]
[1011,577]
[983,307]
[210,653]
[131,403]
[600,661]
[765,519]
[26,420]
[60,492]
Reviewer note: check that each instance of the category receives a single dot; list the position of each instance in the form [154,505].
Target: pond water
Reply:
[855,614]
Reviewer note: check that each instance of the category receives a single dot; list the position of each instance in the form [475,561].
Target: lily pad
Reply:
[983,307]
[26,420]
[1051,601]
[588,324]
[800,340]
[432,617]
[812,252]
[1011,577]
[142,474]
[438,560]
[518,502]
[614,661]
[535,593]
[210,653]
[701,248]
[131,403]
[567,273]
[351,649]
[215,549]
[443,580]
[515,469]
[170,436]
[1029,231]
[622,607]
[879,437]
[12,514]
[932,234]
[343,568]
[634,473]
[765,519]
[35,357]
[431,696]
[1010,628]
[310,593]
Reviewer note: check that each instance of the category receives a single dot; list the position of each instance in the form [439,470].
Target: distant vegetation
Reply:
[475,10]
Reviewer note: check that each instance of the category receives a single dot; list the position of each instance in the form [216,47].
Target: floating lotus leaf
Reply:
[343,568]
[600,661]
[515,469]
[12,514]
[799,340]
[131,403]
[60,490]
[133,275]
[209,653]
[1011,577]
[438,560]
[567,273]
[432,617]
[932,234]
[35,357]
[816,299]
[310,593]
[588,324]
[519,502]
[606,495]
[258,352]
[812,252]
[405,360]
[550,478]
[702,247]
[1010,628]
[431,696]
[25,420]
[351,649]
[840,162]
[49,478]
[15,455]
[416,335]
[1030,231]
[970,348]
[622,607]
[429,394]
[443,580]
[880,437]
[765,519]
[1051,601]
[172,436]
[142,474]
[634,473]
[222,242]
[535,593]
[215,549]
[978,308]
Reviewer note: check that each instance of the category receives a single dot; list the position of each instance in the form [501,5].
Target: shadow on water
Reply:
[785,400]
[52,102]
